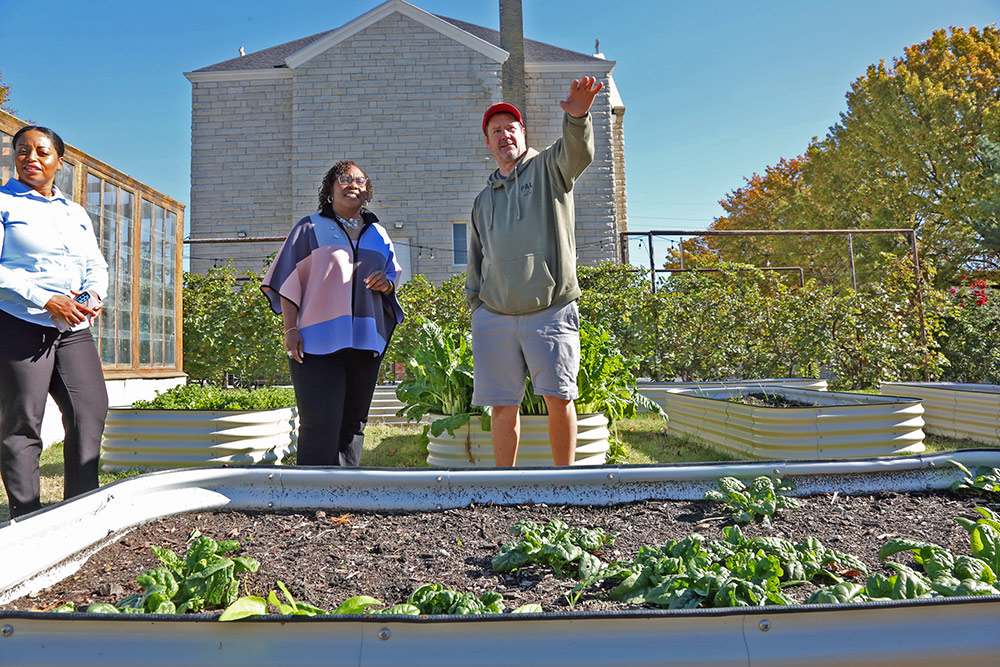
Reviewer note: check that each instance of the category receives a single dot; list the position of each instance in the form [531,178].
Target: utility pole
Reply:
[512,41]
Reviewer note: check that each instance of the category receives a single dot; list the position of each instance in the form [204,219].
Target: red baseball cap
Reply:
[501,107]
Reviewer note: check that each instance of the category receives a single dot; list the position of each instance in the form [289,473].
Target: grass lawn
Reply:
[644,439]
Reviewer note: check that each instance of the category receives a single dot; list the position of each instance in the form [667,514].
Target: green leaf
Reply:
[359,605]
[244,607]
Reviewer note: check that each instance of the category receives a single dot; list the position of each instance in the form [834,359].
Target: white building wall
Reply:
[240,168]
[405,102]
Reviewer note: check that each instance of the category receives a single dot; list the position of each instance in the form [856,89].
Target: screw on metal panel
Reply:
[438,478]
[271,476]
[777,471]
[384,633]
[765,625]
[610,476]
[7,630]
[270,505]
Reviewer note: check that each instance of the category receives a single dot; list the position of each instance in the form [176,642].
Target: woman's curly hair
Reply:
[326,189]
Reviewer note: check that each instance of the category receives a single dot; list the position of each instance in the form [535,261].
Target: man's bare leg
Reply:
[562,429]
[506,429]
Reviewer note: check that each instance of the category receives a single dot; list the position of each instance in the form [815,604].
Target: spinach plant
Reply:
[985,482]
[758,501]
[732,572]
[555,545]
[429,599]
[944,573]
[204,579]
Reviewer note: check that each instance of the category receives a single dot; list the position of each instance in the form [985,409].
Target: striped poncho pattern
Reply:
[322,272]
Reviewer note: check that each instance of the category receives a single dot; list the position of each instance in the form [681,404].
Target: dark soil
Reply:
[762,400]
[325,558]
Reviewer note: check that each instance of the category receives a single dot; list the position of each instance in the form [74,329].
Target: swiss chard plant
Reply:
[759,501]
[439,379]
[606,382]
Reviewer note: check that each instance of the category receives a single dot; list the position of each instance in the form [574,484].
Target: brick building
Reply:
[401,92]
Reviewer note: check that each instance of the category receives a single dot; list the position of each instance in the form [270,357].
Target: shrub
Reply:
[199,397]
[969,338]
[230,332]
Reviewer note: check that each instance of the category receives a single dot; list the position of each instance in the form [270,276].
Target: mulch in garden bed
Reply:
[325,557]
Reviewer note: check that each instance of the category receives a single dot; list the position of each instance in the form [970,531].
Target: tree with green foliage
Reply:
[987,221]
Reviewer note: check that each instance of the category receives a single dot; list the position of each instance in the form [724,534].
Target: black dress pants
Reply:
[36,361]
[333,393]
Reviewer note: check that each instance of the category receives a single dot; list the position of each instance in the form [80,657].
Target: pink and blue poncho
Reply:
[322,271]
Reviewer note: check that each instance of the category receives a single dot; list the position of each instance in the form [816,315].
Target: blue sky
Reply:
[714,90]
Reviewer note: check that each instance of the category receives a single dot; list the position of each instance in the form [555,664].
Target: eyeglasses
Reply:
[344,179]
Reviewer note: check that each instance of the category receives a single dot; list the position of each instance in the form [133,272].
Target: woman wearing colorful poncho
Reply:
[334,284]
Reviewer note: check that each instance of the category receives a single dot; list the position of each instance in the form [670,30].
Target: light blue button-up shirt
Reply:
[47,247]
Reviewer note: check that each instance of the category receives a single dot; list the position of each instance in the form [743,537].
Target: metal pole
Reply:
[850,254]
[652,262]
[920,301]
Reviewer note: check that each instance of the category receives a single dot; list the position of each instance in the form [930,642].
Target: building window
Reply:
[459,244]
[157,281]
[65,180]
[110,209]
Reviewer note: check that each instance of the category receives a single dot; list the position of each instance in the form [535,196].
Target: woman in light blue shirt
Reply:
[52,281]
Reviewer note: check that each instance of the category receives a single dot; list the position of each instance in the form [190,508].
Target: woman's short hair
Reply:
[51,134]
[336,170]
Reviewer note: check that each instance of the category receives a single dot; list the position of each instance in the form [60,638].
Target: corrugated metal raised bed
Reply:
[185,438]
[385,405]
[834,425]
[956,410]
[657,391]
[49,545]
[471,447]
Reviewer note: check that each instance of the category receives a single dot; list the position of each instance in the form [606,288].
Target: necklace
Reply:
[350,222]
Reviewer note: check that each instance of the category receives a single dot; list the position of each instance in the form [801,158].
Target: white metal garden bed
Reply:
[49,545]
[834,425]
[956,410]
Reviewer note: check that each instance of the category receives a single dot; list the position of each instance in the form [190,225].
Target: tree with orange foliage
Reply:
[905,153]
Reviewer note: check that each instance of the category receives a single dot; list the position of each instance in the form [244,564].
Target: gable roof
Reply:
[289,55]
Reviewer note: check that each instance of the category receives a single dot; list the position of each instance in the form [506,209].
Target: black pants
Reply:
[333,393]
[36,361]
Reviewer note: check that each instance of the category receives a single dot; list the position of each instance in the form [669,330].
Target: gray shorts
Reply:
[506,348]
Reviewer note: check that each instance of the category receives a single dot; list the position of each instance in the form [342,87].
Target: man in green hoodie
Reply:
[521,275]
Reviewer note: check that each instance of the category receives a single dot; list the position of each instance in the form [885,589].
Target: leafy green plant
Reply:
[554,545]
[759,501]
[439,379]
[426,600]
[204,579]
[606,382]
[985,482]
[230,332]
[208,397]
[944,573]
[249,606]
[732,572]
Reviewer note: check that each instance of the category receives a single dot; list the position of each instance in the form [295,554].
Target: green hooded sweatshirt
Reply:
[522,242]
